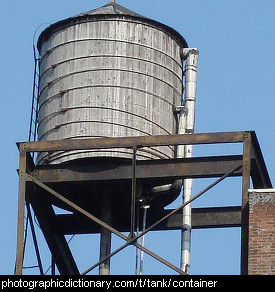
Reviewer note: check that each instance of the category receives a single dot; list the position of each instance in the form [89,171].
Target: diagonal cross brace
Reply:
[100,222]
[113,230]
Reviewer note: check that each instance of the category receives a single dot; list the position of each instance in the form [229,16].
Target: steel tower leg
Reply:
[21,213]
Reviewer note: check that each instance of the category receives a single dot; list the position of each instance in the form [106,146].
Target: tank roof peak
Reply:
[111,8]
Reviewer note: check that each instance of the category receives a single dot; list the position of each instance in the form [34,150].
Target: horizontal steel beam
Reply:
[130,142]
[214,217]
[197,167]
[259,173]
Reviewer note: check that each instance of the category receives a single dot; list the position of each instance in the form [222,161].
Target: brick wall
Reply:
[261,243]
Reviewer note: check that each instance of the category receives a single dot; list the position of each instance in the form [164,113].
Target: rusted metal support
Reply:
[106,226]
[34,238]
[134,240]
[247,147]
[152,254]
[213,217]
[129,142]
[259,173]
[21,213]
[188,202]
[248,165]
[74,206]
[165,170]
[56,241]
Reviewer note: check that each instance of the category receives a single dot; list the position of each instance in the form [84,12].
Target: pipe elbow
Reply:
[187,51]
[164,194]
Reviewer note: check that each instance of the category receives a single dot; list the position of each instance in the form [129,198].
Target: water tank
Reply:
[109,72]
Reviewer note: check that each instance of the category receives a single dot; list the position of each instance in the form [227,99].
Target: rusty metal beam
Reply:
[196,167]
[247,149]
[129,240]
[259,173]
[55,239]
[213,217]
[251,162]
[130,142]
[21,213]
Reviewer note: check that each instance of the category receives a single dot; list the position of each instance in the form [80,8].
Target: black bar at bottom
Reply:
[214,217]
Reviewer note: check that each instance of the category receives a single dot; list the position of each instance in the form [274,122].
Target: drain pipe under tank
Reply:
[190,55]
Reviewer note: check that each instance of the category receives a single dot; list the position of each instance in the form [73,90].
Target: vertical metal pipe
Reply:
[145,208]
[105,250]
[106,235]
[186,226]
[191,56]
[133,202]
[191,59]
[53,266]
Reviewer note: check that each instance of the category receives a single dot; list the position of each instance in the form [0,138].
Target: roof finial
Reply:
[113,1]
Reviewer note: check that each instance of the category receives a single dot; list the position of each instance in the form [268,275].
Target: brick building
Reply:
[261,245]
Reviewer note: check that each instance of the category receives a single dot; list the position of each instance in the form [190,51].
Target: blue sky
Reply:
[236,80]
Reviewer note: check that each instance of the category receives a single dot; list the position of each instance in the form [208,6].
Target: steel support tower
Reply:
[42,186]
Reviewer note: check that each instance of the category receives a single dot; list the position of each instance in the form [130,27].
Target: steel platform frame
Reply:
[249,165]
